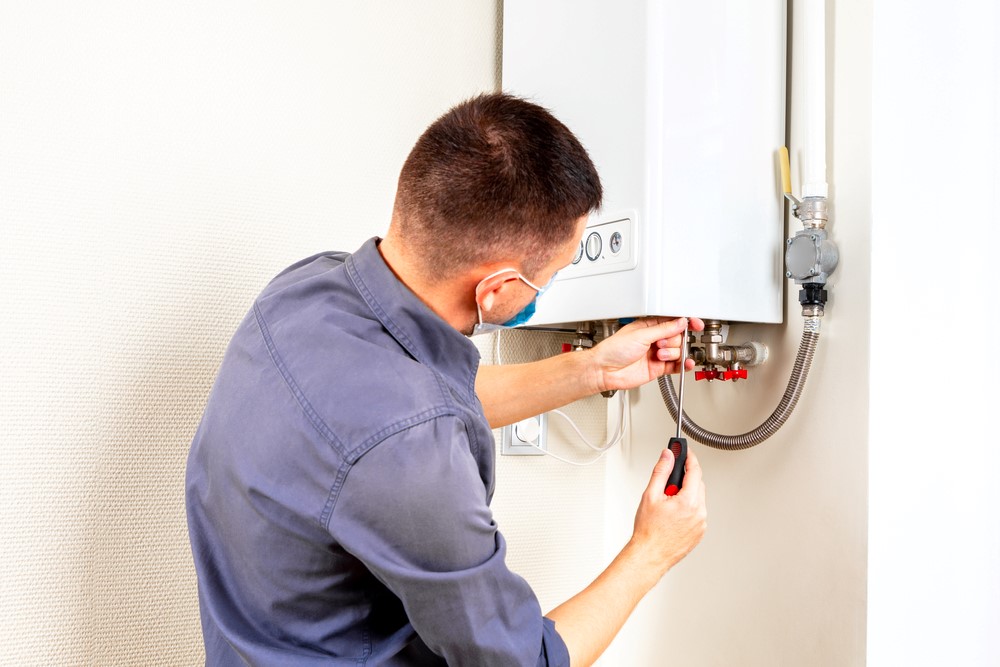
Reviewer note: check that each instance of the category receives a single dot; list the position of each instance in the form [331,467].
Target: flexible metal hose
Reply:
[797,380]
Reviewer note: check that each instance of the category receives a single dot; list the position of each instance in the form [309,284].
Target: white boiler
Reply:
[682,107]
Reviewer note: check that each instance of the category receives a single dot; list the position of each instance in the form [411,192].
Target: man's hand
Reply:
[667,528]
[640,352]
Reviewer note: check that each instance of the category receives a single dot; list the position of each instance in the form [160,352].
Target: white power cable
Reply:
[619,432]
[496,354]
[614,439]
[622,428]
[580,464]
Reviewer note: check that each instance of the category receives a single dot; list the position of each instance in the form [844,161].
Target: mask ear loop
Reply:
[538,290]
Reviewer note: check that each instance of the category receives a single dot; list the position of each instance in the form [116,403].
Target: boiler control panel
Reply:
[606,247]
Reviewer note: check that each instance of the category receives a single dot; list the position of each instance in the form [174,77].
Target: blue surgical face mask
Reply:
[521,317]
[524,315]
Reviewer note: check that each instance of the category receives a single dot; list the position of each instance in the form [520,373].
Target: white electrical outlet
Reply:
[525,438]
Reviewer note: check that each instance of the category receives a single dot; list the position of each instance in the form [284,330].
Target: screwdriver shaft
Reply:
[680,393]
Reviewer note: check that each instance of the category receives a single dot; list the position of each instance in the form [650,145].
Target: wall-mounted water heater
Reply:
[682,108]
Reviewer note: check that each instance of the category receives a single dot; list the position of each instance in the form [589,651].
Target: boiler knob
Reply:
[594,244]
[616,242]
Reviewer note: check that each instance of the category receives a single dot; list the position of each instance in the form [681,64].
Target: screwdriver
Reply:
[678,445]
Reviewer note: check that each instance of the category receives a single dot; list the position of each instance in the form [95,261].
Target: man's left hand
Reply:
[641,352]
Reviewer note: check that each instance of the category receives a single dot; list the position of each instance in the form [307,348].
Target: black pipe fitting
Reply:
[812,294]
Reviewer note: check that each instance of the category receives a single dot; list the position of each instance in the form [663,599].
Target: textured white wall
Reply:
[159,162]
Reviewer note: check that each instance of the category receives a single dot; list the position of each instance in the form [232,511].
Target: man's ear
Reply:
[487,303]
[491,286]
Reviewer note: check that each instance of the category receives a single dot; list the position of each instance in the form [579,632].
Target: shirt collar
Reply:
[422,332]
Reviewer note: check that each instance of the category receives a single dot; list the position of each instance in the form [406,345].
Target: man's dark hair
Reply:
[493,178]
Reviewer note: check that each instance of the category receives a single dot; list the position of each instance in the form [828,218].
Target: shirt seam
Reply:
[443,385]
[376,439]
[313,417]
[351,456]
[387,321]
[358,280]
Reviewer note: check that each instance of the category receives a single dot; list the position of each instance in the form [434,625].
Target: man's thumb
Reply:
[661,471]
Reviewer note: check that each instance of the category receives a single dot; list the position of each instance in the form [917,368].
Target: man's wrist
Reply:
[590,372]
[645,569]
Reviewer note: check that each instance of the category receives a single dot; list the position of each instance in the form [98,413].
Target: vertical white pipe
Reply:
[813,159]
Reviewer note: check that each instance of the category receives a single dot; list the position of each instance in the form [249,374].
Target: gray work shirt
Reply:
[338,486]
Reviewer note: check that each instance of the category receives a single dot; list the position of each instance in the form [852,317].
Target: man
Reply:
[338,487]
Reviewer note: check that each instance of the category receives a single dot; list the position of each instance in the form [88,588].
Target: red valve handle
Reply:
[738,374]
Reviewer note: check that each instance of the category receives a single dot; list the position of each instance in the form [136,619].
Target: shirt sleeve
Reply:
[413,510]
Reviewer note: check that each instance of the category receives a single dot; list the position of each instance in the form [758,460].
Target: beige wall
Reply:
[780,576]
[159,162]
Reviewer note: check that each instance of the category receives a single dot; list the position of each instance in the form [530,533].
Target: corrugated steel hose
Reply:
[797,380]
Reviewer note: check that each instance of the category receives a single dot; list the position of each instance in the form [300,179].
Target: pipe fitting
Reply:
[810,256]
[716,353]
[796,382]
[813,212]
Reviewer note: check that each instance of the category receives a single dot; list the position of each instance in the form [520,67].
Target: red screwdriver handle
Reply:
[679,447]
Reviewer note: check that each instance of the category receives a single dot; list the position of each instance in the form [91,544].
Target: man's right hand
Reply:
[667,528]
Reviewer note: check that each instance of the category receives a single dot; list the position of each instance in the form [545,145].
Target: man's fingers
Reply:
[659,328]
[692,485]
[668,354]
[673,341]
[694,323]
[692,477]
